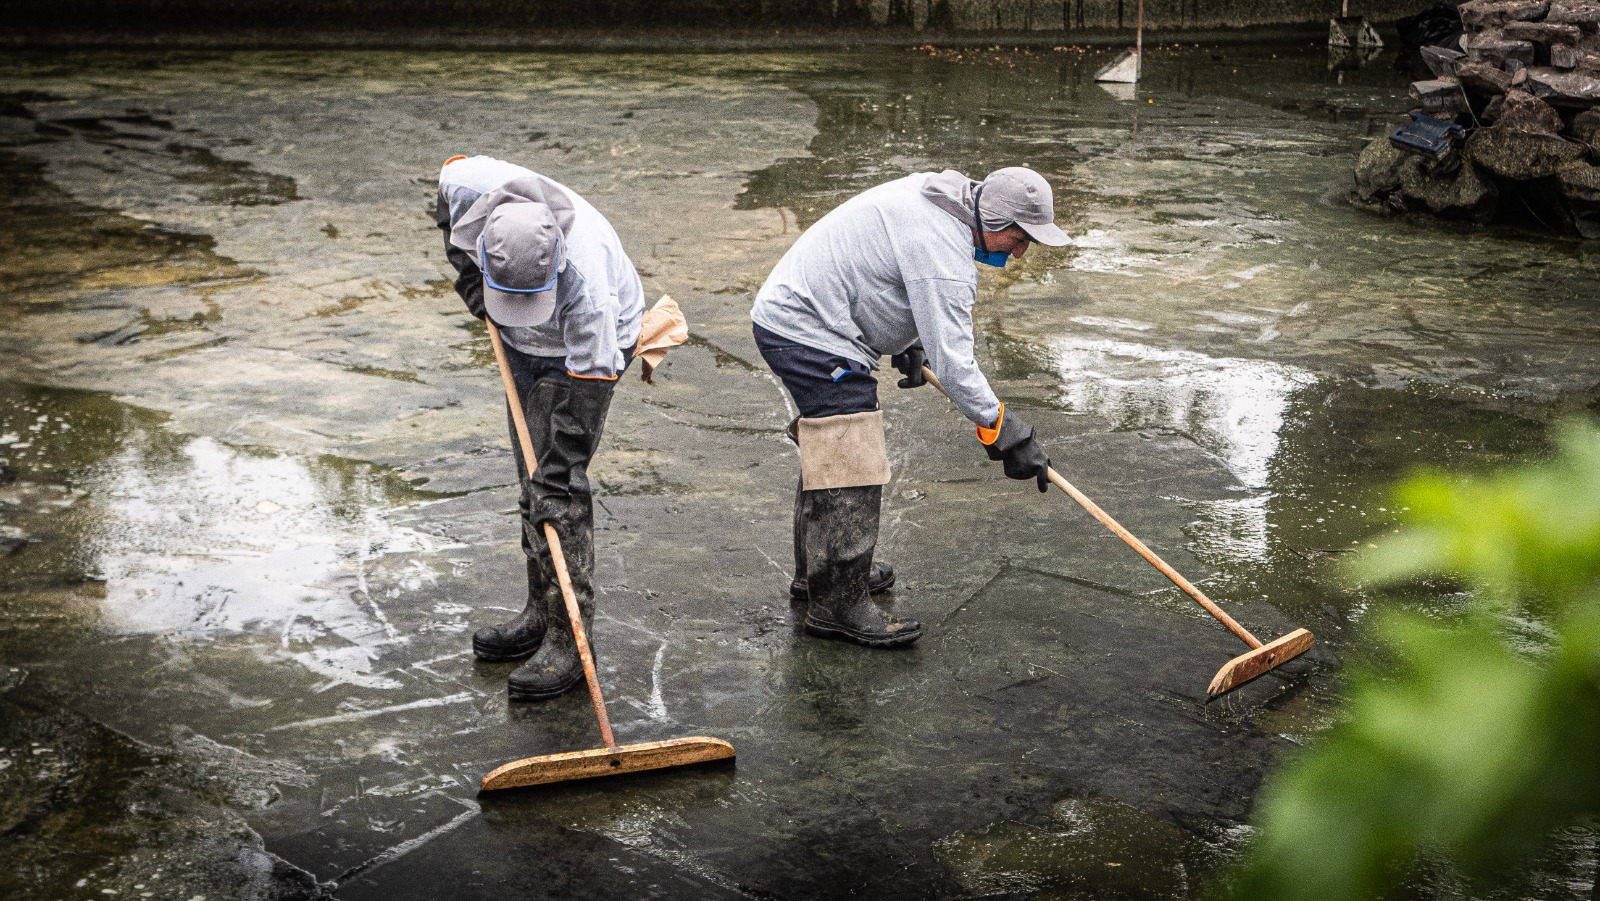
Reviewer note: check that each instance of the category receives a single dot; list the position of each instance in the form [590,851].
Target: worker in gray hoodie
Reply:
[550,271]
[888,272]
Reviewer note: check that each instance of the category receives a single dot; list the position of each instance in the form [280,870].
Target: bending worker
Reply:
[888,272]
[550,272]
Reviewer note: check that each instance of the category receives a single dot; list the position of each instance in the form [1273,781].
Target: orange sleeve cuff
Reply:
[457,157]
[987,437]
[598,378]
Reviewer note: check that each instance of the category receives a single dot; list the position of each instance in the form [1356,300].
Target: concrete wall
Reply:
[1070,15]
[927,16]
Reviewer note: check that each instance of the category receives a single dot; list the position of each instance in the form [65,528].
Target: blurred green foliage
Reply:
[1477,736]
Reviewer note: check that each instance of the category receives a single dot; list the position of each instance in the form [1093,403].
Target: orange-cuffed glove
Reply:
[1011,441]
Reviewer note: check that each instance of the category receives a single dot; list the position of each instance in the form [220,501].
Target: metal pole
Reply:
[1138,45]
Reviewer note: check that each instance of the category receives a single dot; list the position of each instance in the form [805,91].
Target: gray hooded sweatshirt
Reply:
[885,269]
[599,298]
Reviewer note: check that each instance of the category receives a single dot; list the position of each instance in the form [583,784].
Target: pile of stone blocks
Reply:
[1524,82]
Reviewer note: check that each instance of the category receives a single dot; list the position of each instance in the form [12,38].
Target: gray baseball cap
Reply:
[1023,196]
[520,252]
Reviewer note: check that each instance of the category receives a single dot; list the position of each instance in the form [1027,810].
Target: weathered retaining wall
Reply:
[932,16]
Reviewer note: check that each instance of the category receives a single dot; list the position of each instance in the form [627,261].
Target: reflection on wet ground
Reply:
[255,489]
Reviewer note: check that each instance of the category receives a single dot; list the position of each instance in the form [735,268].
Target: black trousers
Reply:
[821,383]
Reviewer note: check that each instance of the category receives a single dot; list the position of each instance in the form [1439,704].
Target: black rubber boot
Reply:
[519,637]
[557,668]
[560,494]
[879,579]
[841,531]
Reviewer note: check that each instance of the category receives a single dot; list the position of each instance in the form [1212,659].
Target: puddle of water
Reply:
[1231,408]
[231,542]
[192,539]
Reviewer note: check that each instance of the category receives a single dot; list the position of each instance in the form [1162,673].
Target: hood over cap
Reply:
[464,234]
[516,233]
[1012,196]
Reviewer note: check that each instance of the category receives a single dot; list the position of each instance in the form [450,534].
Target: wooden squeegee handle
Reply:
[556,556]
[1132,541]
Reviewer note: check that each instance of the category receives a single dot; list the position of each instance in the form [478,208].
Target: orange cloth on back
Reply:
[661,329]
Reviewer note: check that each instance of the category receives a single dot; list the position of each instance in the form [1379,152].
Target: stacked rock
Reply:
[1524,84]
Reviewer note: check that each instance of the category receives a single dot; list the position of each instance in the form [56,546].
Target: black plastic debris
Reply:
[1427,135]
[1436,27]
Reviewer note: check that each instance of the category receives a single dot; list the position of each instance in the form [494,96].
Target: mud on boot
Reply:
[557,668]
[879,579]
[840,529]
[522,635]
[864,625]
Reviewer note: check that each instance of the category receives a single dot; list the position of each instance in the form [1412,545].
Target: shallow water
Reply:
[258,491]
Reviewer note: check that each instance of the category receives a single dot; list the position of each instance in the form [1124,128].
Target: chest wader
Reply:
[560,494]
[843,468]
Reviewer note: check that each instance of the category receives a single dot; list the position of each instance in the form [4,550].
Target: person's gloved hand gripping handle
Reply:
[1010,440]
[910,362]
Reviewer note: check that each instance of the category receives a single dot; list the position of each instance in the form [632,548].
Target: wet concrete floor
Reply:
[256,489]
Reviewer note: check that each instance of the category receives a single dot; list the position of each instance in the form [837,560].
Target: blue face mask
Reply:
[983,254]
[993,258]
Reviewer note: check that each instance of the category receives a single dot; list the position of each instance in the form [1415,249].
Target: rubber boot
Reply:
[556,668]
[841,531]
[879,579]
[561,496]
[521,636]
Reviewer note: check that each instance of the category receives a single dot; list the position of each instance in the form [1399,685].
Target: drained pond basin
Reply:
[257,489]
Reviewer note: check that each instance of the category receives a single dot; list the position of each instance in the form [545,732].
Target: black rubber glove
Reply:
[469,281]
[1021,454]
[910,362]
